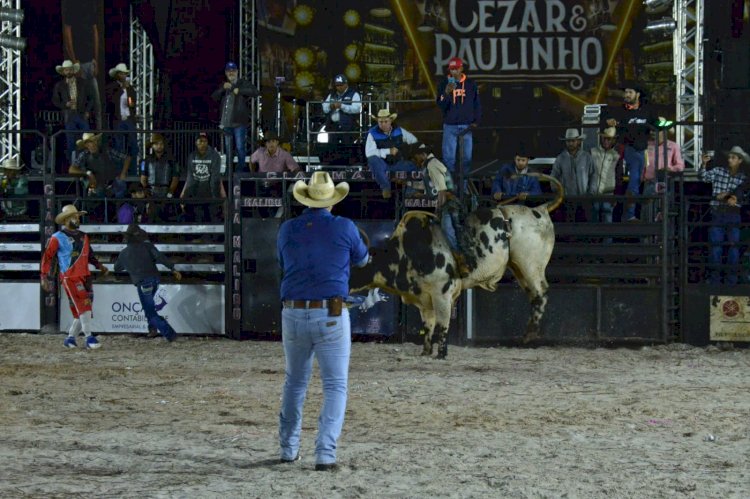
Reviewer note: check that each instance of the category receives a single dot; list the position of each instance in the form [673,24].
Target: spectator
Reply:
[675,164]
[634,121]
[121,98]
[72,95]
[73,252]
[272,158]
[341,108]
[139,259]
[131,210]
[608,172]
[235,112]
[382,149]
[160,176]
[725,213]
[512,180]
[575,170]
[13,184]
[315,252]
[458,99]
[203,181]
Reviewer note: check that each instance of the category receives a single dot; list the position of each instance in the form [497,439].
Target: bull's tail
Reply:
[555,203]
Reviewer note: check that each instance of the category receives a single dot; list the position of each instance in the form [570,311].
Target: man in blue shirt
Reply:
[316,250]
[522,185]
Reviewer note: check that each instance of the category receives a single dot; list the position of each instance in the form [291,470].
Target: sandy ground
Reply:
[198,418]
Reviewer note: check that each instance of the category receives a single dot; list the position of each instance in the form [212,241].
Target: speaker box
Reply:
[261,276]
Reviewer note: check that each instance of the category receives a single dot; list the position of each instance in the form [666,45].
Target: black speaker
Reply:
[261,276]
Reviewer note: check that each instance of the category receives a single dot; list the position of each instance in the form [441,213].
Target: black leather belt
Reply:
[305,303]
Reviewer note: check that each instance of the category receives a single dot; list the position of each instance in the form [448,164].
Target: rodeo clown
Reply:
[73,252]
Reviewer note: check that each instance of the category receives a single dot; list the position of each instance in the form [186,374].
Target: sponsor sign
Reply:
[730,318]
[13,317]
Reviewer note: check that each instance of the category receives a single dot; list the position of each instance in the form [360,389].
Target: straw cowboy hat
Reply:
[68,64]
[738,151]
[609,133]
[88,137]
[68,211]
[135,234]
[573,134]
[12,164]
[320,192]
[120,68]
[384,113]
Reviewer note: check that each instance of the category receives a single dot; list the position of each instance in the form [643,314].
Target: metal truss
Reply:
[248,60]
[10,89]
[144,75]
[688,70]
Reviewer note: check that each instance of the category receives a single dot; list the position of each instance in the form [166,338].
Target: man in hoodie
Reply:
[139,259]
[458,99]
[203,181]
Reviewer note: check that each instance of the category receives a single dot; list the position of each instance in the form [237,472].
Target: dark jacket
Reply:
[114,92]
[139,259]
[460,109]
[240,109]
[633,125]
[203,175]
[509,186]
[84,100]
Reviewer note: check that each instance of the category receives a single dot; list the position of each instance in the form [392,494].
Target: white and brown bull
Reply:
[417,263]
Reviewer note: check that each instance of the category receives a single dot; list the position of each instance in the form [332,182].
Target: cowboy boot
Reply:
[461,266]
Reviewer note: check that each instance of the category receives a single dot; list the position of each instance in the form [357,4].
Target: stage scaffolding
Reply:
[688,70]
[144,77]
[10,88]
[249,66]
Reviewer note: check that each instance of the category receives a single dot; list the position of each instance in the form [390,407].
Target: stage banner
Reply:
[537,62]
[25,317]
[189,308]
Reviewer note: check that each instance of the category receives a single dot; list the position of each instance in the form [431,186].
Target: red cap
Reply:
[455,63]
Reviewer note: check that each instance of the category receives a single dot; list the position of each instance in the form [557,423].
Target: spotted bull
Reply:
[417,264]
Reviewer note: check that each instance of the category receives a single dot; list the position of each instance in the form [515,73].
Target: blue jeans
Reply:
[380,169]
[725,225]
[450,148]
[127,143]
[448,222]
[602,212]
[146,292]
[237,134]
[74,122]
[308,332]
[635,161]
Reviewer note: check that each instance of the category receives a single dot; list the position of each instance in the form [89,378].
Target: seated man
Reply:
[13,183]
[272,158]
[511,180]
[382,149]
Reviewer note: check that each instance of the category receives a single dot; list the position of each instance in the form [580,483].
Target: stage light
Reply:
[656,6]
[665,25]
[11,15]
[12,42]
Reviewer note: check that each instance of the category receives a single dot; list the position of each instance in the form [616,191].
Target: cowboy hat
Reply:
[522,151]
[608,133]
[68,211]
[88,137]
[738,151]
[68,64]
[384,113]
[135,234]
[120,68]
[633,85]
[573,134]
[12,164]
[320,192]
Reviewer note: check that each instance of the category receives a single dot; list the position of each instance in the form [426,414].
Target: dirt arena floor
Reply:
[198,418]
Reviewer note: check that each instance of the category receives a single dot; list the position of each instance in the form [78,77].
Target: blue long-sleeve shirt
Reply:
[509,186]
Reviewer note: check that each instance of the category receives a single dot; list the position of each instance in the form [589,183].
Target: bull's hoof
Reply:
[426,353]
[441,356]
[530,336]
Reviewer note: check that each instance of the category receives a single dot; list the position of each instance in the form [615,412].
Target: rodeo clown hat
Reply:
[68,211]
[320,192]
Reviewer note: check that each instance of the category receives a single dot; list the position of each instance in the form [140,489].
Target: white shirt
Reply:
[124,109]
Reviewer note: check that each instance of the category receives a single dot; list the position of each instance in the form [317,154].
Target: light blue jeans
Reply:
[236,136]
[380,169]
[308,332]
[450,148]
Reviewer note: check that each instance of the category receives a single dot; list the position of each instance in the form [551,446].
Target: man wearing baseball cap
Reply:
[458,98]
[234,95]
[341,107]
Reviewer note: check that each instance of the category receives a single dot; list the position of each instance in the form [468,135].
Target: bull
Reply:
[417,264]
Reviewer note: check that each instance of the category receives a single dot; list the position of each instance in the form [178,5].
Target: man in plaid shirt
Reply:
[725,212]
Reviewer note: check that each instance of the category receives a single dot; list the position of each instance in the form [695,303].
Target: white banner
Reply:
[189,308]
[730,318]
[13,316]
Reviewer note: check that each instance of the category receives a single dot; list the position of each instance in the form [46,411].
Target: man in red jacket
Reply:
[72,250]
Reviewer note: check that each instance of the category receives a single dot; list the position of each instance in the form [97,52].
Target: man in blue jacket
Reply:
[458,98]
[511,180]
[382,150]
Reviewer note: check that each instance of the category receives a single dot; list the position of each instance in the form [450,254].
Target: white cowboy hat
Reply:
[384,113]
[609,132]
[88,137]
[738,151]
[120,68]
[573,134]
[68,211]
[68,64]
[12,164]
[320,192]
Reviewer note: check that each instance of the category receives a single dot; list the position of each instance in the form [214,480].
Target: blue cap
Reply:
[231,66]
